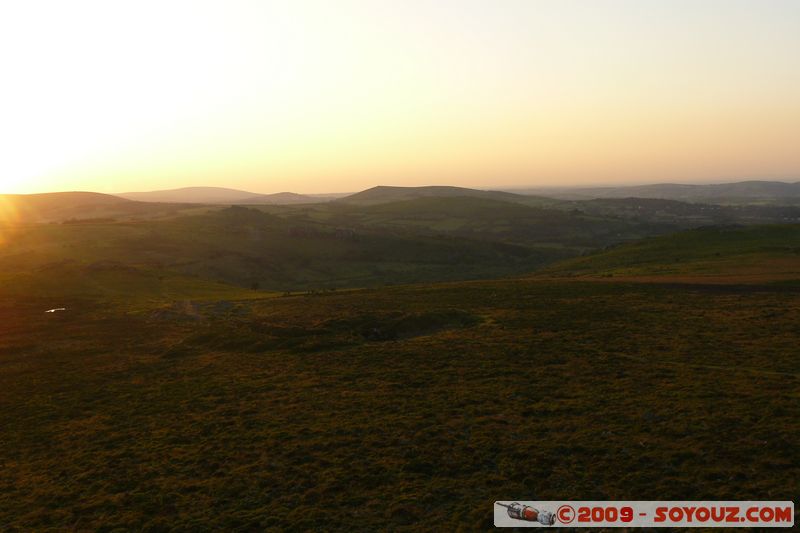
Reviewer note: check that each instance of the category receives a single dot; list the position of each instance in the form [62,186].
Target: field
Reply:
[721,254]
[411,407]
[251,249]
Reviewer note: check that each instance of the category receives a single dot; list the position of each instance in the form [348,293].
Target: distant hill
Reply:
[685,215]
[488,218]
[57,205]
[571,226]
[220,195]
[54,199]
[752,253]
[750,191]
[76,206]
[385,194]
[283,198]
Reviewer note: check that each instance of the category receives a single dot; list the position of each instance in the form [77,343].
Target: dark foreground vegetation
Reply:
[399,408]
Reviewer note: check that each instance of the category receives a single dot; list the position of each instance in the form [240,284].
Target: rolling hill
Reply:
[753,191]
[681,214]
[249,248]
[285,198]
[385,194]
[747,254]
[194,195]
[339,244]
[489,218]
[76,206]
[221,195]
[306,247]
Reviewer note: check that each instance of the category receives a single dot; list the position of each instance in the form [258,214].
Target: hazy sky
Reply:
[323,96]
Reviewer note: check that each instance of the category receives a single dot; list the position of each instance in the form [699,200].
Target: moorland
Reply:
[396,359]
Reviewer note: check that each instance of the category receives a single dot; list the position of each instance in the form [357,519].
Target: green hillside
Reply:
[485,219]
[111,281]
[770,251]
[250,248]
[337,245]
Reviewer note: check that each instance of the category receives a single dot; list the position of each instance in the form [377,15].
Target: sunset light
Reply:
[314,96]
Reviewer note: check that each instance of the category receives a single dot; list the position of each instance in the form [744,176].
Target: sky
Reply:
[324,96]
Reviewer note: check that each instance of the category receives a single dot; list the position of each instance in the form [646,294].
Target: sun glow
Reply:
[96,79]
[8,219]
[316,96]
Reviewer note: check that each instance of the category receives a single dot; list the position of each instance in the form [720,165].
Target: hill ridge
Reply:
[219,195]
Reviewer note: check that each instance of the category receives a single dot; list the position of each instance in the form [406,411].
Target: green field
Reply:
[748,254]
[250,248]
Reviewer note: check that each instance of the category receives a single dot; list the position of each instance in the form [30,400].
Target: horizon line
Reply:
[598,185]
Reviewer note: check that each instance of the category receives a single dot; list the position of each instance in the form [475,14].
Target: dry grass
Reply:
[275,410]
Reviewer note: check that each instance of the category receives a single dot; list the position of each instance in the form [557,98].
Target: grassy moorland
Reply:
[250,248]
[390,236]
[398,408]
[170,395]
[768,253]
